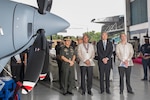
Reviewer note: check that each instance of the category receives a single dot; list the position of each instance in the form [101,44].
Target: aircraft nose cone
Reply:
[51,23]
[59,24]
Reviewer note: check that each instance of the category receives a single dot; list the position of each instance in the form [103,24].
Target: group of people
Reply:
[71,57]
[124,52]
[83,57]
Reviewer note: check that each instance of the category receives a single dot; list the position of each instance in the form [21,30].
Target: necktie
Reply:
[104,43]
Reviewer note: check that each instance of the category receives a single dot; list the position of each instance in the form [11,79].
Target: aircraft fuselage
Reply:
[20,22]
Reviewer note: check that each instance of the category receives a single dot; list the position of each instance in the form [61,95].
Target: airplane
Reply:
[23,26]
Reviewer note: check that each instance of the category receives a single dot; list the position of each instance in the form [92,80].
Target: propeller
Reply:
[44,5]
[49,5]
[36,60]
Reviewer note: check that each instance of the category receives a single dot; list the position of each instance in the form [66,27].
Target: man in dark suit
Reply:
[104,50]
[59,62]
[17,67]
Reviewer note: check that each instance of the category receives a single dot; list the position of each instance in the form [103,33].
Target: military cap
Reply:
[79,37]
[67,38]
[146,37]
[50,42]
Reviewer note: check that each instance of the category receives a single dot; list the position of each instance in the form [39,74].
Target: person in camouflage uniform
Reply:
[68,57]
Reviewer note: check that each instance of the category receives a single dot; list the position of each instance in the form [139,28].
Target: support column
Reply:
[127,18]
[148,13]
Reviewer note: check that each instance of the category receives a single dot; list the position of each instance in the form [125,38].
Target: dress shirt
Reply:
[125,52]
[17,57]
[86,53]
[104,44]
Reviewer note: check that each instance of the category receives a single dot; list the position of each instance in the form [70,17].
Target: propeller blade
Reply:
[44,5]
[46,64]
[35,61]
[49,5]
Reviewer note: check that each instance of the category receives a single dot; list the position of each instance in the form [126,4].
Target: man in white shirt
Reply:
[124,51]
[86,55]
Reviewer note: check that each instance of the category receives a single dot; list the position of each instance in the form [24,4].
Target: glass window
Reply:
[138,11]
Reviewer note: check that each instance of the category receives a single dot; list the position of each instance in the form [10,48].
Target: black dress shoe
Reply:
[108,92]
[101,92]
[90,93]
[131,92]
[83,93]
[70,93]
[64,93]
[144,79]
[121,92]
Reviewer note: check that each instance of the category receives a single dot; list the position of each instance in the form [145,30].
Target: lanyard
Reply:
[86,48]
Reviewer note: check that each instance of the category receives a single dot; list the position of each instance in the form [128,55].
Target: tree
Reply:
[55,37]
[94,36]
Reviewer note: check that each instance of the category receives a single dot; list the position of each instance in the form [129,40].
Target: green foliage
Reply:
[54,37]
[94,36]
[59,37]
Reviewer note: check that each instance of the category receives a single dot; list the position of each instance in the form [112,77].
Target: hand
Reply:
[71,63]
[19,61]
[146,57]
[105,60]
[25,63]
[87,62]
[126,63]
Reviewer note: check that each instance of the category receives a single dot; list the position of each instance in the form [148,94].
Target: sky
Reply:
[79,13]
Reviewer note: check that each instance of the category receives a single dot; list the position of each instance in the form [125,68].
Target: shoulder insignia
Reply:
[65,49]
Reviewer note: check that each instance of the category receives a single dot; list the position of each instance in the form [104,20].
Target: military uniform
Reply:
[145,50]
[67,70]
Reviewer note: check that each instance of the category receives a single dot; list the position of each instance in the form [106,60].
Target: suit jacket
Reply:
[104,53]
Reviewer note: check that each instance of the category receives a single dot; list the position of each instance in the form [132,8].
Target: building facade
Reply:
[138,19]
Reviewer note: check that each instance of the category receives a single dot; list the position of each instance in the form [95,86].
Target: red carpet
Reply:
[138,60]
